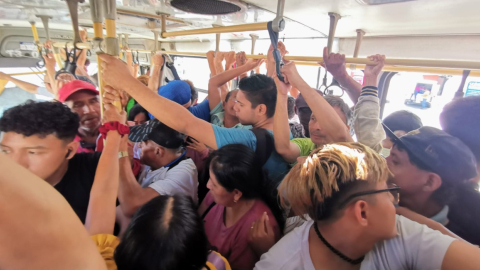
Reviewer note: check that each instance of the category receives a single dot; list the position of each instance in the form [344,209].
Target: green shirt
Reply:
[130,105]
[217,116]
[305,145]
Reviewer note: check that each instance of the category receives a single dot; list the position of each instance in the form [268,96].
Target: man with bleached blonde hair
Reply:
[343,189]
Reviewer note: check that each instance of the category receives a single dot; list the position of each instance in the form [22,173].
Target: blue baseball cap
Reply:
[178,91]
[440,152]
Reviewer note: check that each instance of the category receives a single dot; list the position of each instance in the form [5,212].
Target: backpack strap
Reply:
[265,144]
[208,209]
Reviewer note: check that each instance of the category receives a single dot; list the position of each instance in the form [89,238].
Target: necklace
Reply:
[338,253]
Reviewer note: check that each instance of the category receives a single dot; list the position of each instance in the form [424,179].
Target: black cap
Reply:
[157,132]
[402,120]
[438,151]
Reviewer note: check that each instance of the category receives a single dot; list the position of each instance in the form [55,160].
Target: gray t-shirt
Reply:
[415,247]
[179,180]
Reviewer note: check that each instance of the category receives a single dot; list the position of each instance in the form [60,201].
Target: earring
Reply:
[235,201]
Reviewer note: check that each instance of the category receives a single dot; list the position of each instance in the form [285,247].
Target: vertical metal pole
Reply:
[96,8]
[36,39]
[155,34]
[460,93]
[254,40]
[358,43]
[56,51]
[120,44]
[111,41]
[73,9]
[278,24]
[334,17]
[164,23]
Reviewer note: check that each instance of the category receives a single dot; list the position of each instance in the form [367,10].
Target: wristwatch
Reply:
[122,154]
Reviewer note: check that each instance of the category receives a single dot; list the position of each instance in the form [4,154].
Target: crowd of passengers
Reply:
[272,175]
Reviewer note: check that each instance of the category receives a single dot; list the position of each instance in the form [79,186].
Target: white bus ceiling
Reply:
[429,29]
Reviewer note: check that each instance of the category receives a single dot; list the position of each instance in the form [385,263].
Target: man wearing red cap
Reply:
[82,98]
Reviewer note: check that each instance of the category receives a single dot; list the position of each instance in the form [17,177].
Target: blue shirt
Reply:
[277,167]
[201,111]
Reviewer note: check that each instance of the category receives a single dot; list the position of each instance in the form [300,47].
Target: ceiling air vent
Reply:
[206,7]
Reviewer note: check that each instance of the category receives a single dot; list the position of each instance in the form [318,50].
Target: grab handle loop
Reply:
[276,53]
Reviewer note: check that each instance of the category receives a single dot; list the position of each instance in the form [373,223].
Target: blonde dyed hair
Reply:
[310,183]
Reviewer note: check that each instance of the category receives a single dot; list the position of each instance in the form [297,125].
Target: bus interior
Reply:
[423,29]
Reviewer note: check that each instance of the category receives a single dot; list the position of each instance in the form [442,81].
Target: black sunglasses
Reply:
[392,188]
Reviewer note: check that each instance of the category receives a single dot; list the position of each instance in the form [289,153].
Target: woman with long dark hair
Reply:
[238,197]
[165,233]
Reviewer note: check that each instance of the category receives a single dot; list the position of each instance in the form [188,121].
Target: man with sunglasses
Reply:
[433,169]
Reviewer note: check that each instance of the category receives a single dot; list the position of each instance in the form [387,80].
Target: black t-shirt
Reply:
[77,182]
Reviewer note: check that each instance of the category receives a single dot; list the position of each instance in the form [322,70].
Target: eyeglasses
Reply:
[392,188]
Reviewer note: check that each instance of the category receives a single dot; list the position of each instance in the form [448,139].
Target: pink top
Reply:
[80,149]
[232,242]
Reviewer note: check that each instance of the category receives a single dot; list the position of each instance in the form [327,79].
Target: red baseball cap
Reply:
[74,86]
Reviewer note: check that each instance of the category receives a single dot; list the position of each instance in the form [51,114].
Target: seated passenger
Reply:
[255,106]
[82,98]
[343,188]
[138,115]
[432,168]
[40,137]
[400,122]
[295,128]
[169,171]
[238,197]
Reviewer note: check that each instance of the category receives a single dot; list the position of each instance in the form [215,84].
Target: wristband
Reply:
[120,128]
[122,154]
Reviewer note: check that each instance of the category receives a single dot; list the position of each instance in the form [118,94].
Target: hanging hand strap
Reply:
[276,53]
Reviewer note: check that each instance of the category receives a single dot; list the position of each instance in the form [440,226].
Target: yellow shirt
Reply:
[107,243]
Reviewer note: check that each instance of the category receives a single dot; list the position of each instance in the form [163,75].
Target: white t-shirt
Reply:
[180,180]
[415,247]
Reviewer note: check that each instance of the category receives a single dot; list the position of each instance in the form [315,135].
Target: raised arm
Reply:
[38,228]
[50,63]
[155,72]
[335,64]
[367,123]
[129,58]
[325,115]
[281,129]
[103,195]
[175,116]
[211,63]
[215,94]
[31,88]
[130,194]
[271,69]
[82,57]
